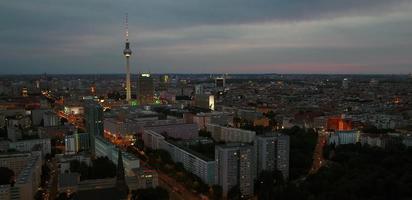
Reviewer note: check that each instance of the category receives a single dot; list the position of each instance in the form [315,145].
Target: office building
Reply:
[145,89]
[77,142]
[283,155]
[94,122]
[205,101]
[42,145]
[266,152]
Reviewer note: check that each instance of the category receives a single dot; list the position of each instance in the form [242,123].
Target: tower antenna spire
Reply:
[127,28]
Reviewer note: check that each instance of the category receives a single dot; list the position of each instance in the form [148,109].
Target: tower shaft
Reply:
[128,89]
[127,52]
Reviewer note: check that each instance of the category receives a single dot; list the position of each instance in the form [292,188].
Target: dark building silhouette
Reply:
[119,191]
[121,185]
[145,89]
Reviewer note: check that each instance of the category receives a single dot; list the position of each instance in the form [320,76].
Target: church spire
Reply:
[121,184]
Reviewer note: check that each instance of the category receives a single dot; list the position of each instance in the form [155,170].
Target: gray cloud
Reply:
[197,35]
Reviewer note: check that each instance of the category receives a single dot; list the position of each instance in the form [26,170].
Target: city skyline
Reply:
[294,37]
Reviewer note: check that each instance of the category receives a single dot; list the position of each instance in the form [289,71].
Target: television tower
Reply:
[127,53]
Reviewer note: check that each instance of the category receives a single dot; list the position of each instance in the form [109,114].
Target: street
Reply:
[318,159]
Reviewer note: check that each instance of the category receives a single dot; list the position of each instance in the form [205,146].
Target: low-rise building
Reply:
[192,161]
[76,142]
[177,131]
[28,145]
[50,119]
[228,134]
[343,137]
[220,118]
[407,140]
[205,101]
[27,168]
[146,178]
[106,149]
[373,140]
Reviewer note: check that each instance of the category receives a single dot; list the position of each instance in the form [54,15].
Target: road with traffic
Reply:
[318,159]
[176,189]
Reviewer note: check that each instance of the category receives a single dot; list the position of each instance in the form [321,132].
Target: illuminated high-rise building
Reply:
[235,167]
[272,152]
[145,89]
[127,52]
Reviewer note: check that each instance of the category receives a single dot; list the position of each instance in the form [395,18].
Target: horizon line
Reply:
[280,74]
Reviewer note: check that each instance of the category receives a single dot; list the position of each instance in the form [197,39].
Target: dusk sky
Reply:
[206,36]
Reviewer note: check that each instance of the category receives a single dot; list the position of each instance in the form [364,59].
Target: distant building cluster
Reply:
[223,129]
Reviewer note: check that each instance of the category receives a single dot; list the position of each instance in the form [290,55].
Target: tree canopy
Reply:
[358,172]
[101,167]
[302,146]
[6,176]
[157,193]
